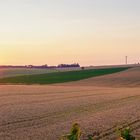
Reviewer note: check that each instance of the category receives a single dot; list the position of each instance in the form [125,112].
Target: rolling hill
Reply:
[59,77]
[127,78]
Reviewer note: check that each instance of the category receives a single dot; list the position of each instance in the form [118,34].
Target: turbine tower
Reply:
[126,60]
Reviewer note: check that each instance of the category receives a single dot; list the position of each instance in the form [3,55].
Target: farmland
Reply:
[59,77]
[10,72]
[45,112]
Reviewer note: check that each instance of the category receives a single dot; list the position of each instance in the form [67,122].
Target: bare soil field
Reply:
[47,112]
[35,112]
[10,72]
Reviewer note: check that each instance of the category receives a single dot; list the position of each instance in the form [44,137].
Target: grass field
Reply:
[59,77]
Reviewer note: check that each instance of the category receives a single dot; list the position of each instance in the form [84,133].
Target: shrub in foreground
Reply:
[75,133]
[125,134]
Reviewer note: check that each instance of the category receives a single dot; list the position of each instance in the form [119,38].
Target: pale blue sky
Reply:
[66,31]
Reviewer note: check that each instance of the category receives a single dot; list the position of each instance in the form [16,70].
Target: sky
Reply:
[90,32]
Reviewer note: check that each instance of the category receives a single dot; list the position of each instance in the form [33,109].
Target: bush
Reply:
[74,133]
[125,134]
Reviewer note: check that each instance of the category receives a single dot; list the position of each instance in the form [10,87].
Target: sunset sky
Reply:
[91,32]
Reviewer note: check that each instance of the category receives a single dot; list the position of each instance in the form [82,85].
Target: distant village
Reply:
[43,66]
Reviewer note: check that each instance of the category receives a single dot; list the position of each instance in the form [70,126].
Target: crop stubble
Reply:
[47,112]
